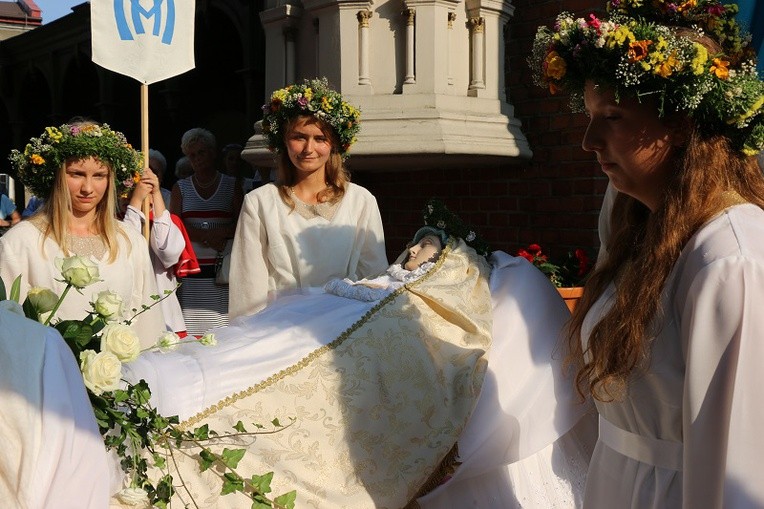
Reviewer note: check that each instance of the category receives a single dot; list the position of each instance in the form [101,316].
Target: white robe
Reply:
[277,251]
[52,454]
[130,276]
[689,431]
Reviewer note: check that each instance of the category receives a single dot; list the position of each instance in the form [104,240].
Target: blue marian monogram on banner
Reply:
[137,13]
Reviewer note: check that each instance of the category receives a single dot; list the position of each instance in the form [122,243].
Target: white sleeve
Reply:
[166,240]
[248,287]
[721,326]
[373,259]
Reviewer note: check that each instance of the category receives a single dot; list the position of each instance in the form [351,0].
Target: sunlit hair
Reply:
[642,251]
[198,135]
[58,212]
[337,177]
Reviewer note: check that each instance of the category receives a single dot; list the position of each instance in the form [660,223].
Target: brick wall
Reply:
[552,200]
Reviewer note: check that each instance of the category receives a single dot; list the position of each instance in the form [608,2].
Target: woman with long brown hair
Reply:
[312,224]
[667,337]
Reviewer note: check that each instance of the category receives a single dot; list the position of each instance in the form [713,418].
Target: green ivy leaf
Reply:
[206,459]
[261,505]
[262,483]
[286,500]
[202,432]
[276,422]
[159,461]
[239,426]
[232,457]
[231,483]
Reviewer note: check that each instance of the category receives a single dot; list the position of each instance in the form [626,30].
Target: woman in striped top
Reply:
[209,203]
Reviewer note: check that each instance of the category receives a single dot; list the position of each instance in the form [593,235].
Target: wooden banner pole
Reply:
[145,149]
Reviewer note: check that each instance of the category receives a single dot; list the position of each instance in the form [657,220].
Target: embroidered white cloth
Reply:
[524,408]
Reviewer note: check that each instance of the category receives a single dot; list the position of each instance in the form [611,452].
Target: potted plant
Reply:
[567,275]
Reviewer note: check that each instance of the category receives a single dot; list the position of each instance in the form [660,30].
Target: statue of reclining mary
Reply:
[436,384]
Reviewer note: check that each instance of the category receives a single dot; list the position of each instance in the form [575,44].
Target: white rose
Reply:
[78,271]
[108,305]
[208,339]
[136,497]
[168,341]
[100,371]
[120,339]
[42,300]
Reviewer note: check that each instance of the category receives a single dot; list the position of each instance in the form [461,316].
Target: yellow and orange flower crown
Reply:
[42,157]
[638,51]
[311,98]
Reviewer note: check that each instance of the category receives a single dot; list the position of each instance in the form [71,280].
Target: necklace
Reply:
[208,184]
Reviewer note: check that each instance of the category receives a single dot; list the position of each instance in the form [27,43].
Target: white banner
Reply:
[149,40]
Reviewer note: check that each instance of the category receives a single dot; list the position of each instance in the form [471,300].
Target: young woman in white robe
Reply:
[312,224]
[79,170]
[667,337]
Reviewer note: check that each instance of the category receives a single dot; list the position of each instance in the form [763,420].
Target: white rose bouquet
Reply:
[141,437]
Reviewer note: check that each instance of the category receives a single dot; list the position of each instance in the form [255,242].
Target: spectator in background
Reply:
[33,204]
[209,203]
[183,168]
[237,167]
[8,213]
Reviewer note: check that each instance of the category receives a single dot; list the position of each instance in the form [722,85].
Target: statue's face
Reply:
[423,251]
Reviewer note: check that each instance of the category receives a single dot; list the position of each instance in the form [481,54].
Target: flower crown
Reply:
[36,167]
[636,53]
[314,98]
[437,215]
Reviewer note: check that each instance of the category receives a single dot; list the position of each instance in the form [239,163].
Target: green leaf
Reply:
[287,499]
[276,422]
[232,457]
[16,289]
[3,295]
[260,505]
[30,311]
[206,459]
[231,483]
[239,426]
[77,332]
[262,483]
[202,432]
[159,461]
[165,489]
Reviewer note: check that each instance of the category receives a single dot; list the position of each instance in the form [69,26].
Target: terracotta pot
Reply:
[571,295]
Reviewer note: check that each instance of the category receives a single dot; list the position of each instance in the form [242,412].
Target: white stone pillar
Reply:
[477,53]
[410,77]
[363,46]
[450,57]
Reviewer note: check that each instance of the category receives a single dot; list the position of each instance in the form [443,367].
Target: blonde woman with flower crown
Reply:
[668,336]
[312,224]
[79,169]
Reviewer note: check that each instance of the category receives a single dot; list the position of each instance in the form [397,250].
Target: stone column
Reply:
[290,66]
[451,19]
[477,54]
[410,77]
[363,47]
